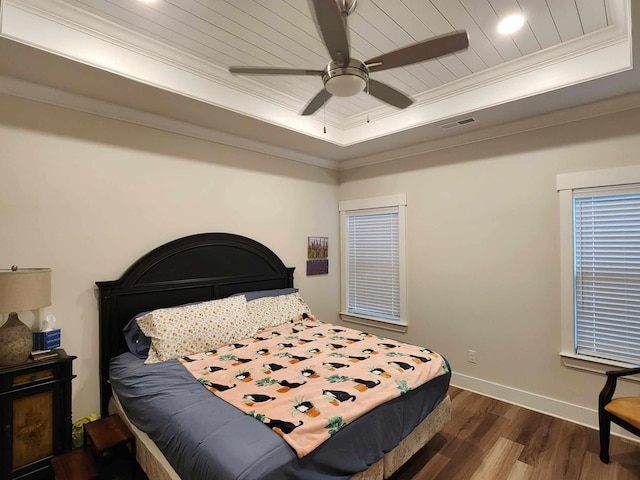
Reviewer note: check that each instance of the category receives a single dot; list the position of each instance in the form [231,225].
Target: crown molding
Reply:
[60,98]
[35,26]
[145,60]
[617,34]
[105,30]
[52,96]
[573,49]
[36,21]
[569,115]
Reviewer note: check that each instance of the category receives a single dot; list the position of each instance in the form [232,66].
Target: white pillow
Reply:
[179,331]
[269,312]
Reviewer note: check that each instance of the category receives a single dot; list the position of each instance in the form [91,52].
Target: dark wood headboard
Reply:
[196,268]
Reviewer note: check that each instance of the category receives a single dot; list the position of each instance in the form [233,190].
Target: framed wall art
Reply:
[318,256]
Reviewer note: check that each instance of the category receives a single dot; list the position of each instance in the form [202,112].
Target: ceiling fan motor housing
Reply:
[345,80]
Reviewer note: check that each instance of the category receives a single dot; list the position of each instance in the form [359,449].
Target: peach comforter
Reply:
[307,379]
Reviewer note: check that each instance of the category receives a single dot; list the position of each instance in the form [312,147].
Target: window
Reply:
[607,273]
[373,267]
[600,241]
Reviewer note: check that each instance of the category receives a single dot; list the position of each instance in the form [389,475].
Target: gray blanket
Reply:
[205,438]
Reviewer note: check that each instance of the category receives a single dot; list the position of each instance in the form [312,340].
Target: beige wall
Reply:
[483,248]
[87,196]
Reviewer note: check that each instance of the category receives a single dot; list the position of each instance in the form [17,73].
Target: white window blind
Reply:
[607,273]
[373,262]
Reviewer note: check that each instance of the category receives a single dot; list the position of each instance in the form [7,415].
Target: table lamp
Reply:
[20,290]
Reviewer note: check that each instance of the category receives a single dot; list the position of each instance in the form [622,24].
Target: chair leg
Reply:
[605,432]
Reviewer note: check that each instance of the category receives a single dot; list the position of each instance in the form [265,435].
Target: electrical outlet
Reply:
[472,356]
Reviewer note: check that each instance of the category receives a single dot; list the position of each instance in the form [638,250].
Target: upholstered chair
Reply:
[623,411]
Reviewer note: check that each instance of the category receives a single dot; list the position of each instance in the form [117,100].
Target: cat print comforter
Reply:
[307,379]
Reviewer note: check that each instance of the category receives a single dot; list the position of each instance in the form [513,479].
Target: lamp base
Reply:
[16,342]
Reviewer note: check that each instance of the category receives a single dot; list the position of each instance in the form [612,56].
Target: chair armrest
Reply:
[607,392]
[624,372]
[609,388]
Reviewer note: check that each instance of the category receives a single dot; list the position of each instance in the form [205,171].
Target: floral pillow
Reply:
[273,311]
[179,331]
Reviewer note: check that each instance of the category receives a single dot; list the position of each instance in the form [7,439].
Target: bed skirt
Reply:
[156,466]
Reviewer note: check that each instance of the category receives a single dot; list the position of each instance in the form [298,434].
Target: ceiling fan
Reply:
[345,76]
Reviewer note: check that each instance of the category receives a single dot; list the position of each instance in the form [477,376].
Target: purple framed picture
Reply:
[318,267]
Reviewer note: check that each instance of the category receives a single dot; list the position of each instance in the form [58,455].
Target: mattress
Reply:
[203,437]
[156,466]
[148,455]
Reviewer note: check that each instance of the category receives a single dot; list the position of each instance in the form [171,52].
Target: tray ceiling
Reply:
[184,48]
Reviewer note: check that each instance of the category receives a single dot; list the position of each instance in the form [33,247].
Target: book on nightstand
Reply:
[43,354]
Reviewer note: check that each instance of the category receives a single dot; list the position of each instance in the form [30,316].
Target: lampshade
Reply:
[345,85]
[20,290]
[345,80]
[24,289]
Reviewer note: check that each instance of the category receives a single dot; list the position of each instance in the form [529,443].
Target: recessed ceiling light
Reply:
[511,24]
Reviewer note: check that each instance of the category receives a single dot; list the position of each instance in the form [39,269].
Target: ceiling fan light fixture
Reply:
[346,80]
[345,85]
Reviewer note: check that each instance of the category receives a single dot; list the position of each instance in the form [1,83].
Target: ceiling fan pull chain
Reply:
[324,120]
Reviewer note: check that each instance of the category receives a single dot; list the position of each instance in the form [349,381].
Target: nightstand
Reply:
[35,415]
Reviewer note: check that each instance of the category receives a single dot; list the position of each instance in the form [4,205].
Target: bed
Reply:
[171,414]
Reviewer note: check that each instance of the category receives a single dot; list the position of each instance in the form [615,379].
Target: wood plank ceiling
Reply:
[282,33]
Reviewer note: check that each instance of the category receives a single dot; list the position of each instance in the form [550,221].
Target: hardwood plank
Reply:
[491,440]
[525,425]
[499,460]
[540,440]
[457,469]
[520,471]
[566,453]
[433,467]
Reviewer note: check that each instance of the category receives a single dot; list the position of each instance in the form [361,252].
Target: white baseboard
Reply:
[538,403]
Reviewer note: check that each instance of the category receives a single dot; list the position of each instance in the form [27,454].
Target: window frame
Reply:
[566,184]
[346,207]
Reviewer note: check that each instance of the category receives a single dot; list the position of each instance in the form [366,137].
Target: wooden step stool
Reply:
[112,445]
[105,454]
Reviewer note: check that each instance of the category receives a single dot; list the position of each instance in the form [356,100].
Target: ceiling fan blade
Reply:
[332,25]
[316,102]
[388,94]
[420,52]
[273,71]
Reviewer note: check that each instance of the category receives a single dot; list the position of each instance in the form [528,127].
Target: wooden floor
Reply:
[491,440]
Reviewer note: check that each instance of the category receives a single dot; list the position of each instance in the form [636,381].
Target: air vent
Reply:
[458,123]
